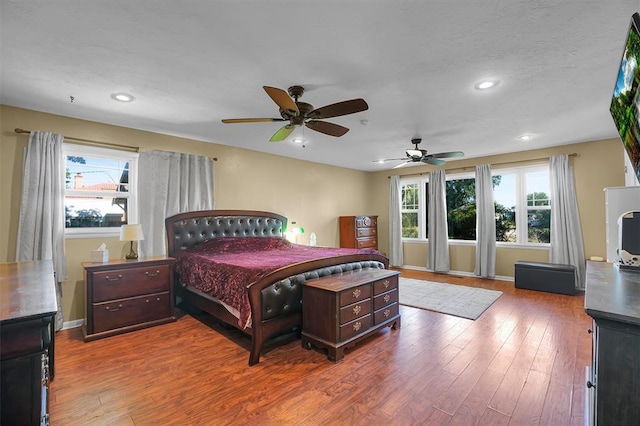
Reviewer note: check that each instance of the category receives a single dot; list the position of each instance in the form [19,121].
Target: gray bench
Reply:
[550,277]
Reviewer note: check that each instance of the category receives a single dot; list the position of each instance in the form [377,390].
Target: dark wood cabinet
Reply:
[340,310]
[612,299]
[359,232]
[127,295]
[27,310]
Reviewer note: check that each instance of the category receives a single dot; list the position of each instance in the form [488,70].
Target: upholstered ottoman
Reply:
[550,277]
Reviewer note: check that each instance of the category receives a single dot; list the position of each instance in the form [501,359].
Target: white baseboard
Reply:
[461,273]
[72,324]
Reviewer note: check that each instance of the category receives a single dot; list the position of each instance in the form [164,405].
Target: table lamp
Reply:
[131,232]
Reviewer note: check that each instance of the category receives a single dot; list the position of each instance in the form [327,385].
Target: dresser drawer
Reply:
[385,313]
[355,327]
[136,310]
[384,299]
[384,285]
[123,283]
[366,232]
[367,243]
[356,294]
[351,312]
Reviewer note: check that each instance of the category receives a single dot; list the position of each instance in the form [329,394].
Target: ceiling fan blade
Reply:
[430,160]
[251,120]
[402,165]
[330,129]
[341,108]
[451,154]
[282,98]
[282,133]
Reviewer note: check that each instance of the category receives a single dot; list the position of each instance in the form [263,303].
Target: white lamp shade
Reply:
[132,232]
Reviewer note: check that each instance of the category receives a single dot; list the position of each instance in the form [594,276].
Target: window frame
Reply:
[521,205]
[78,150]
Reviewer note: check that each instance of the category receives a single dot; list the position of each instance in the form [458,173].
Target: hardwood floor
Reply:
[521,362]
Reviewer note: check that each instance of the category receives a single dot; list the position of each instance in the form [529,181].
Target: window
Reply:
[99,190]
[522,204]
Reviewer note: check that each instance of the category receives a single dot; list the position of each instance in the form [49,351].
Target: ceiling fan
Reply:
[417,155]
[303,114]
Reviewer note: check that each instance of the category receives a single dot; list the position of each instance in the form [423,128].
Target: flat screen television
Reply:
[625,104]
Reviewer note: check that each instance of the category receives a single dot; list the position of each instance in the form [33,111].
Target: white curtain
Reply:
[41,221]
[485,224]
[170,183]
[438,255]
[567,245]
[395,222]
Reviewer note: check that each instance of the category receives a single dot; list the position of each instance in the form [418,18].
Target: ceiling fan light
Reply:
[414,153]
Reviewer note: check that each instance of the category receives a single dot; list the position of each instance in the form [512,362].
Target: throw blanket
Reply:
[223,267]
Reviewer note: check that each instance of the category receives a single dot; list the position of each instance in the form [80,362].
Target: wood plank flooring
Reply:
[521,362]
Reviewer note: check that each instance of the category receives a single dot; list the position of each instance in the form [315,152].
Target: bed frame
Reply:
[275,299]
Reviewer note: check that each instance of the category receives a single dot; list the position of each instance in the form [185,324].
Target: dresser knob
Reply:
[357,309]
[356,293]
[387,312]
[589,331]
[386,283]
[590,385]
[113,279]
[149,274]
[386,298]
[357,325]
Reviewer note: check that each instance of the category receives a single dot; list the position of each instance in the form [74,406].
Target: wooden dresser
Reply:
[340,310]
[359,232]
[612,299]
[127,295]
[27,310]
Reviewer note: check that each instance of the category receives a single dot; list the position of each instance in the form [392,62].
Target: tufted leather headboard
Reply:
[186,230]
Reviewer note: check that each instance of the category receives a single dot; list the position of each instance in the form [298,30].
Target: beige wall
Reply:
[598,165]
[311,194]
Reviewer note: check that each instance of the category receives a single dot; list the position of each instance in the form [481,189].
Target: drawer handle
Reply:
[357,325]
[589,331]
[356,293]
[152,274]
[385,283]
[590,385]
[386,298]
[387,312]
[113,279]
[357,309]
[108,308]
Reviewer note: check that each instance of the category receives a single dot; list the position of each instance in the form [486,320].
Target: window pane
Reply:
[97,192]
[410,225]
[537,188]
[461,209]
[538,225]
[504,195]
[410,197]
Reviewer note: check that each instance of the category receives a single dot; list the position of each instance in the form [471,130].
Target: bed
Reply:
[209,244]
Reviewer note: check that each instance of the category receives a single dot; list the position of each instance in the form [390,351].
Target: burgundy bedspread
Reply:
[223,267]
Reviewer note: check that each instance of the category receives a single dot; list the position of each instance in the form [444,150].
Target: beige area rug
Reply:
[457,300]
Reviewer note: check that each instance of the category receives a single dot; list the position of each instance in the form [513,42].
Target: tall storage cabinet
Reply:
[359,232]
[618,200]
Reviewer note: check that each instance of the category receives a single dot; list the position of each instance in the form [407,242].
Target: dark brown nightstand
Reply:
[127,295]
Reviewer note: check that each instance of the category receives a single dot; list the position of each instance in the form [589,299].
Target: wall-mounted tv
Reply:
[625,104]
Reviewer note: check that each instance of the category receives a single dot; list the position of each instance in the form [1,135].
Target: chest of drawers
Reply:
[359,232]
[122,296]
[340,310]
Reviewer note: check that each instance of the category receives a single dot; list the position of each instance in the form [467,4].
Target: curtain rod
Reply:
[532,160]
[97,143]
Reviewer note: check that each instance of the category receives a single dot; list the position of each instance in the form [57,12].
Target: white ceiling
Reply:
[190,64]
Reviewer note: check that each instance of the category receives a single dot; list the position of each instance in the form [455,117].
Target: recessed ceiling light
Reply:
[122,97]
[526,137]
[380,161]
[486,84]
[297,140]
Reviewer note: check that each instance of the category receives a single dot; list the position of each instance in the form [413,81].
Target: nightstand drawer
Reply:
[367,243]
[122,283]
[366,232]
[125,312]
[385,285]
